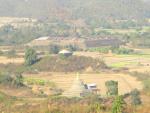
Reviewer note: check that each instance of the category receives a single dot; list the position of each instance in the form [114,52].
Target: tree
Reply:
[118,105]
[11,80]
[54,49]
[112,88]
[30,57]
[71,47]
[135,98]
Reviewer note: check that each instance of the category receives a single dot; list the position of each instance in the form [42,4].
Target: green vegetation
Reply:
[54,49]
[147,85]
[112,88]
[15,80]
[72,47]
[120,64]
[36,81]
[115,50]
[103,20]
[100,49]
[144,77]
[30,56]
[135,97]
[118,105]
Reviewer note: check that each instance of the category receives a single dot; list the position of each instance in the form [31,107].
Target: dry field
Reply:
[64,81]
[5,60]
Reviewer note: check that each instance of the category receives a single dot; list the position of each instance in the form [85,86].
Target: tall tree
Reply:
[30,56]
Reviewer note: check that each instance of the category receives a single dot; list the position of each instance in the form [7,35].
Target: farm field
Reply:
[74,56]
[117,61]
[5,60]
[17,22]
[44,84]
[64,81]
[123,31]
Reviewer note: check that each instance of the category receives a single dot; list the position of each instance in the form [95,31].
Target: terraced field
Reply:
[5,60]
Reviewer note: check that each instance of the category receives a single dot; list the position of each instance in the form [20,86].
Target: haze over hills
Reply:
[127,19]
[85,9]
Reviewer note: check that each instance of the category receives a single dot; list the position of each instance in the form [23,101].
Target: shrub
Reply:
[136,100]
[7,79]
[112,88]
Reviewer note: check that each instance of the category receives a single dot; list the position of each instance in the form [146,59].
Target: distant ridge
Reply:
[73,9]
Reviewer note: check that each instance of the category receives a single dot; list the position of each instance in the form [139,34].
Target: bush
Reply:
[112,88]
[135,97]
[18,80]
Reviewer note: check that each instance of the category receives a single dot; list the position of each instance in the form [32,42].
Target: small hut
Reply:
[77,90]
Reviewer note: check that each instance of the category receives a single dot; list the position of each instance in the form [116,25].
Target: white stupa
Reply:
[77,90]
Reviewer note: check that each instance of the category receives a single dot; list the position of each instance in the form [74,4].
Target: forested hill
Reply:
[85,9]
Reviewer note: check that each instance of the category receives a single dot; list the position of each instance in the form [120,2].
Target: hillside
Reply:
[118,9]
[71,64]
